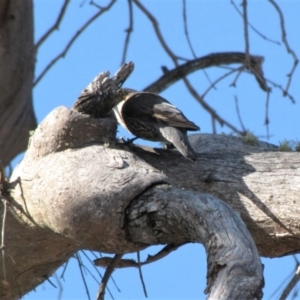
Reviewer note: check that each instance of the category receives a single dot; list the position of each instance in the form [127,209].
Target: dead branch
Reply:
[252,27]
[224,254]
[211,60]
[287,46]
[128,32]
[72,40]
[109,270]
[291,284]
[55,26]
[246,34]
[209,109]
[157,30]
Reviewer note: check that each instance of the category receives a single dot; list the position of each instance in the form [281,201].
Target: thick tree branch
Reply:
[234,268]
[16,72]
[77,185]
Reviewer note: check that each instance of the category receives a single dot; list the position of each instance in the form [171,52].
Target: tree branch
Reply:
[234,268]
[55,26]
[72,40]
[287,46]
[211,60]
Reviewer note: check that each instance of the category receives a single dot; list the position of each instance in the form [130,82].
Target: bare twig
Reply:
[72,40]
[246,33]
[278,86]
[3,236]
[55,26]
[238,113]
[100,275]
[241,69]
[267,121]
[291,284]
[64,270]
[287,46]
[128,31]
[157,31]
[109,270]
[141,274]
[186,32]
[129,263]
[213,84]
[213,125]
[60,289]
[51,283]
[3,198]
[80,264]
[252,27]
[208,108]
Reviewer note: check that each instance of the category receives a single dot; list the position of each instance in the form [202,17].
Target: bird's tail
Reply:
[178,137]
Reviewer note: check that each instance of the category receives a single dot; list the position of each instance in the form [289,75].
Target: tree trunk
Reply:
[17,57]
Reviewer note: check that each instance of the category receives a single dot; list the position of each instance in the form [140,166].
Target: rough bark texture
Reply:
[234,268]
[261,184]
[17,56]
[77,184]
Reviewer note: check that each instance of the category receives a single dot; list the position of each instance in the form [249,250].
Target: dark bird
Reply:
[151,117]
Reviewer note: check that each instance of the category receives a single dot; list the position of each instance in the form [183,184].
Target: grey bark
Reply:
[17,56]
[77,186]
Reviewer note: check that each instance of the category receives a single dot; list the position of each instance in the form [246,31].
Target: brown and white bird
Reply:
[151,117]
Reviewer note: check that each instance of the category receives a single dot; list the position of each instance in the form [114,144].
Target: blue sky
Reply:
[214,26]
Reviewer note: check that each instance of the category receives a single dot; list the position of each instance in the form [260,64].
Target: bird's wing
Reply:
[151,108]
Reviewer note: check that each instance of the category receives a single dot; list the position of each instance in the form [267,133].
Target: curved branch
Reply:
[234,270]
[211,60]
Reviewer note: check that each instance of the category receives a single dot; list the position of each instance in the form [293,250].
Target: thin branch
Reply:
[141,274]
[51,283]
[128,32]
[157,31]
[291,284]
[278,86]
[72,40]
[186,32]
[208,108]
[129,263]
[60,290]
[238,113]
[109,270]
[55,26]
[267,121]
[64,270]
[253,28]
[80,264]
[3,237]
[100,275]
[287,46]
[213,125]
[246,33]
[213,84]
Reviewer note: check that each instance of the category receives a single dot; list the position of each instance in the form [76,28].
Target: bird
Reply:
[151,117]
